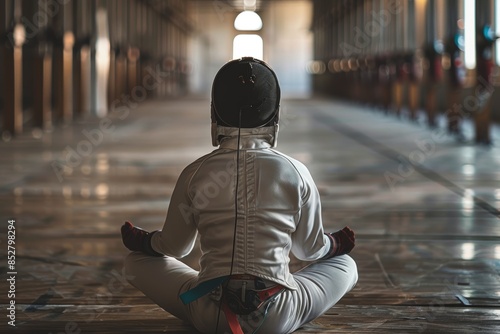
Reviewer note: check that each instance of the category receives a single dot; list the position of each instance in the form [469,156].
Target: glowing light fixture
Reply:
[248,20]
[470,33]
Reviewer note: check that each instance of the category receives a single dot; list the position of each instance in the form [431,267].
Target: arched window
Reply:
[248,45]
[470,33]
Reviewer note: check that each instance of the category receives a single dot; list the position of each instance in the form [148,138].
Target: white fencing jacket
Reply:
[278,211]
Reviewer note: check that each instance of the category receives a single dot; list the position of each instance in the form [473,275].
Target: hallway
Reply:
[424,207]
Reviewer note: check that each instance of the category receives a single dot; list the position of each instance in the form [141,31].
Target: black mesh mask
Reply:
[247,85]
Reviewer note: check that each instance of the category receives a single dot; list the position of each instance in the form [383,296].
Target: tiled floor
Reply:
[424,207]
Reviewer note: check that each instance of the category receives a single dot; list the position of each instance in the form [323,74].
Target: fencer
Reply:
[251,206]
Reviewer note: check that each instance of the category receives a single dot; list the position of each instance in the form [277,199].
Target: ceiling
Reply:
[170,11]
[236,5]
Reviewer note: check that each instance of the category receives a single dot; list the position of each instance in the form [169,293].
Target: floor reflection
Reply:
[416,241]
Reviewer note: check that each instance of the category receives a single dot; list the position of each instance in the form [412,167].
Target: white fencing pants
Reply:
[321,285]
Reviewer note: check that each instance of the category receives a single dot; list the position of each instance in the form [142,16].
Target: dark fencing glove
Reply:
[136,239]
[342,242]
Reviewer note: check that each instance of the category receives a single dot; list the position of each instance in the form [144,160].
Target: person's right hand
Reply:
[136,239]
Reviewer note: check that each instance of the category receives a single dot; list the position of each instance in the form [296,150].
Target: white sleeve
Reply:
[179,232]
[309,242]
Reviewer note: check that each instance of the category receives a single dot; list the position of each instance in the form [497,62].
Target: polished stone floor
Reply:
[425,209]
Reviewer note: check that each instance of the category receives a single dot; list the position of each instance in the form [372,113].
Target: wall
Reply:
[287,43]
